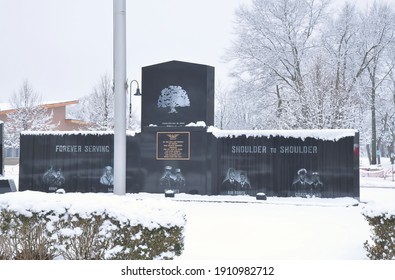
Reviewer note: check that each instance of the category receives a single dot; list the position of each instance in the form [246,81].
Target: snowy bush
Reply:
[382,243]
[37,225]
[24,237]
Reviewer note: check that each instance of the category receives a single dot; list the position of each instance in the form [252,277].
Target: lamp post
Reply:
[120,87]
[137,93]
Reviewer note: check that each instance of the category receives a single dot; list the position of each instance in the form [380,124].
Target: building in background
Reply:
[60,118]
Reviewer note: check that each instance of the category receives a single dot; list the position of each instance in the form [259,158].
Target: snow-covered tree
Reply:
[388,113]
[232,111]
[28,115]
[377,42]
[274,44]
[344,65]
[98,107]
[300,65]
[222,107]
[172,97]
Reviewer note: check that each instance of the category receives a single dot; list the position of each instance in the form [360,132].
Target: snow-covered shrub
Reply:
[24,236]
[36,225]
[382,243]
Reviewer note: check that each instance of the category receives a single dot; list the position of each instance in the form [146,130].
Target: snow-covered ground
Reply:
[243,228]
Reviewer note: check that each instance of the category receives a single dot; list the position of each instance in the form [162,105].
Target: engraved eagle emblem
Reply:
[173,136]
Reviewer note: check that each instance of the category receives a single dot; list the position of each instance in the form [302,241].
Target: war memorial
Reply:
[179,149]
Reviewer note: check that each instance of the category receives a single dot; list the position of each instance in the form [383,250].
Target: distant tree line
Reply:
[297,64]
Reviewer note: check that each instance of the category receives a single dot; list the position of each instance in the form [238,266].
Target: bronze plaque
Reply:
[173,145]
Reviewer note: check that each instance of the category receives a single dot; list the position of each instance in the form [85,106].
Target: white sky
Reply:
[63,47]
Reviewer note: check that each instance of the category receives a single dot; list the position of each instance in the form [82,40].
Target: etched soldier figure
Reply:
[317,187]
[106,181]
[167,181]
[60,180]
[230,185]
[53,180]
[179,181]
[301,187]
[245,187]
[107,178]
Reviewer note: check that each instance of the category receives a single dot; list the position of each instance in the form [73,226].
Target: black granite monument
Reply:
[176,156]
[179,151]
[177,159]
[288,165]
[177,93]
[75,162]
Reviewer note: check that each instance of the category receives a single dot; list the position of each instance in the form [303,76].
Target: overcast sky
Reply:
[63,47]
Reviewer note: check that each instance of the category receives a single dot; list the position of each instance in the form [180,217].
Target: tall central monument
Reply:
[176,97]
[177,93]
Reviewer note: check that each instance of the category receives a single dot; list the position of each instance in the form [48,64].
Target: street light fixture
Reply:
[137,93]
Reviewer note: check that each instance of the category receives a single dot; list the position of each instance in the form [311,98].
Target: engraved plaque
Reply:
[173,145]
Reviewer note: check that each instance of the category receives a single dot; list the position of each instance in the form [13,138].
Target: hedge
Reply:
[382,243]
[41,226]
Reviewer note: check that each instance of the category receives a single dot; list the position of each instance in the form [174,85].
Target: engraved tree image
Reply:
[172,97]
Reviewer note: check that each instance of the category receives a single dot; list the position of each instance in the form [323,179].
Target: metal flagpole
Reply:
[120,87]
